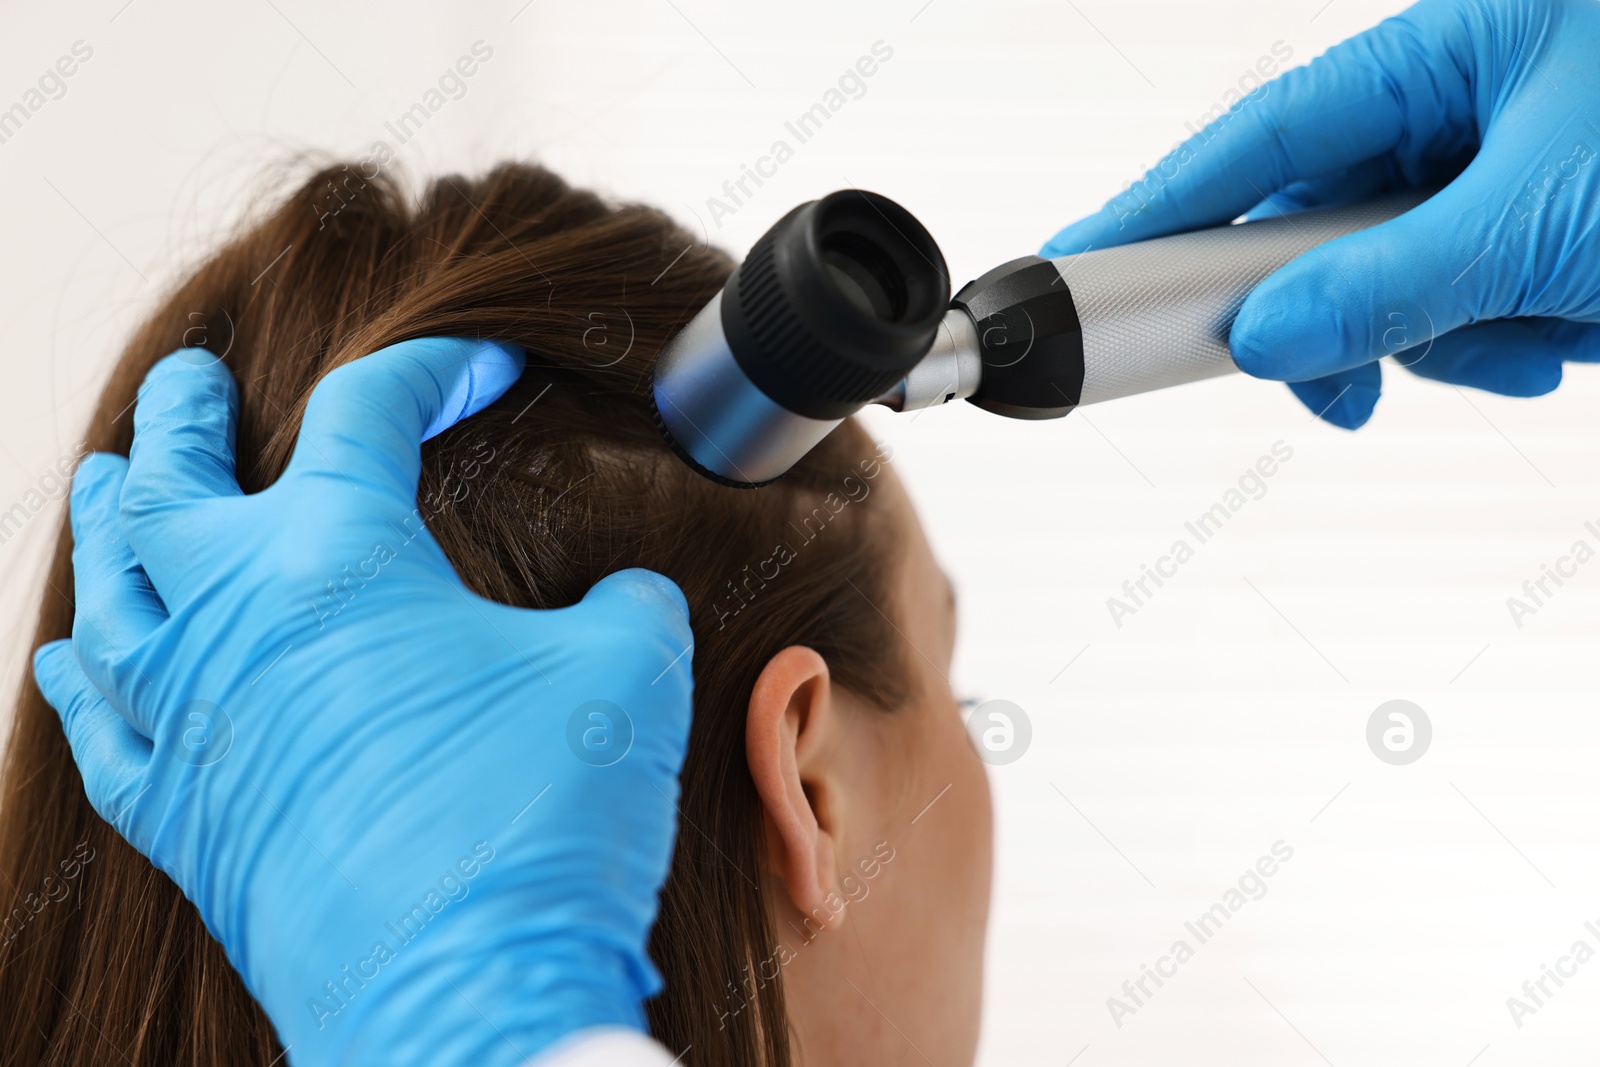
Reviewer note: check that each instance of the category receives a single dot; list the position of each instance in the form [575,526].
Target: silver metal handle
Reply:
[1157,313]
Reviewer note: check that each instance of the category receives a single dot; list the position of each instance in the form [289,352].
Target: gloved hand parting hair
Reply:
[379,789]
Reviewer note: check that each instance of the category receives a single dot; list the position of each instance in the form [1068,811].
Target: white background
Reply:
[1227,714]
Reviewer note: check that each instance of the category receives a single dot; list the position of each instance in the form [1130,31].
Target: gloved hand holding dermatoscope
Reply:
[846,302]
[1493,284]
[1490,283]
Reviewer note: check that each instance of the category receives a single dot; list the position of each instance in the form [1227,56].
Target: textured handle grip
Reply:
[1157,313]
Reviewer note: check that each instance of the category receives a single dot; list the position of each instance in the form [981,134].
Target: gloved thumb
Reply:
[1345,399]
[1378,292]
[652,598]
[648,654]
[654,617]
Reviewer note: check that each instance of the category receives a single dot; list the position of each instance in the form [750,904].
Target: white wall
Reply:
[1221,718]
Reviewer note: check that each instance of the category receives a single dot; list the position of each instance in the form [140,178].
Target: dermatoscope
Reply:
[846,302]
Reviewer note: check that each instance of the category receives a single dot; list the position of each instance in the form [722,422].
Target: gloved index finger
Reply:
[1346,106]
[184,423]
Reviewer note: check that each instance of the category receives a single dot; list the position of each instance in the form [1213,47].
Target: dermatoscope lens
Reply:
[867,277]
[835,304]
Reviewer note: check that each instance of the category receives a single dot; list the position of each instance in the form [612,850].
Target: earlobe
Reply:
[790,735]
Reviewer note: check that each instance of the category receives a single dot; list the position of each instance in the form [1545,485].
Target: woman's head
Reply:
[816,900]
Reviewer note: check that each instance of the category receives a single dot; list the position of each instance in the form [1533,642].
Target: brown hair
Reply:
[561,482]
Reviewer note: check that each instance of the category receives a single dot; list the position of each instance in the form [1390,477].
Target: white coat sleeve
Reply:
[606,1047]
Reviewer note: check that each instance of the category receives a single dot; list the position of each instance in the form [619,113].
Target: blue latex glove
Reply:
[374,795]
[1498,98]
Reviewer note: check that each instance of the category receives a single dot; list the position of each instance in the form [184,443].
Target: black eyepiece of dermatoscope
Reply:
[833,306]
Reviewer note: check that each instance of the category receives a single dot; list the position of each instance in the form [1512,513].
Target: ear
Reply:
[791,736]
